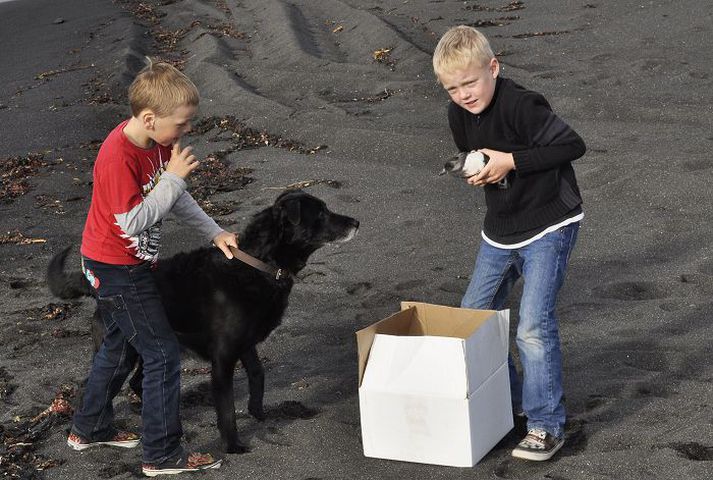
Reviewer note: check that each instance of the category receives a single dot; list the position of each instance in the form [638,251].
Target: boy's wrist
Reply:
[174,178]
[521,162]
[511,159]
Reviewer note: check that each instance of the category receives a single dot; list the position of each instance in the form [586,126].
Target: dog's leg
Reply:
[256,382]
[137,379]
[224,398]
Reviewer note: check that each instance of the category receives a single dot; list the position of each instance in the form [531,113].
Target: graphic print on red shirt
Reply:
[124,174]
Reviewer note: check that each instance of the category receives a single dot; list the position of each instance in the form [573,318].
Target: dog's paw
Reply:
[237,448]
[258,413]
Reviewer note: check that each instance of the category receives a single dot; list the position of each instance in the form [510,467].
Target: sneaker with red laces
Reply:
[538,445]
[121,439]
[192,462]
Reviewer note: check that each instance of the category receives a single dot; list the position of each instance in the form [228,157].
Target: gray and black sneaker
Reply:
[538,445]
[187,462]
[120,439]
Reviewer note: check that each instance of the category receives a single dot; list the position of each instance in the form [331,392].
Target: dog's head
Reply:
[288,232]
[305,220]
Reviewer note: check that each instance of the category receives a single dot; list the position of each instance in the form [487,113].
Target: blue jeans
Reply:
[135,321]
[542,264]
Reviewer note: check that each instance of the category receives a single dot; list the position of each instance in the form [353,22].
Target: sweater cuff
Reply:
[214,231]
[524,164]
[175,179]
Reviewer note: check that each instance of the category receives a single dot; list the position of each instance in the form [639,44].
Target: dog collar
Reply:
[278,273]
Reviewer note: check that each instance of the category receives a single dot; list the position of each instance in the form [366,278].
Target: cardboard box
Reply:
[434,385]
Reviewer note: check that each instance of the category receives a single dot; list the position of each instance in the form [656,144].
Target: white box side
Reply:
[416,365]
[487,349]
[490,413]
[439,431]
[414,428]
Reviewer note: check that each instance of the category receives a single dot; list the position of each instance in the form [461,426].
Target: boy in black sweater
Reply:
[531,223]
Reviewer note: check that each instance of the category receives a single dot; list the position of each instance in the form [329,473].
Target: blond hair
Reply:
[162,88]
[459,48]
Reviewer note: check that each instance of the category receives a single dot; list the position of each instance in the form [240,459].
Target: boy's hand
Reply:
[224,240]
[498,166]
[182,162]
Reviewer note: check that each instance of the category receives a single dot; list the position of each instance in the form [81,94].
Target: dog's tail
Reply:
[66,285]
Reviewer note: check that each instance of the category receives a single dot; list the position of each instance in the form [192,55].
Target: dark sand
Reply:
[633,78]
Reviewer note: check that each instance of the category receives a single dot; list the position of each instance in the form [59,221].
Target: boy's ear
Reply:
[494,67]
[148,119]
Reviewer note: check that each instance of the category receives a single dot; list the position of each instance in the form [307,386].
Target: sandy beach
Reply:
[338,97]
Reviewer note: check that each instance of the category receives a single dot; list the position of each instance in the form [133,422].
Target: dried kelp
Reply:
[15,173]
[19,239]
[510,7]
[242,137]
[495,22]
[541,34]
[214,175]
[19,439]
[383,55]
[308,183]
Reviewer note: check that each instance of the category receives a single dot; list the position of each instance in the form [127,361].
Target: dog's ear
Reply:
[288,204]
[292,210]
[289,208]
[289,191]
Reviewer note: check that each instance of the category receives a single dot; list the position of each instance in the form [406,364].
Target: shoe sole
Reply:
[535,455]
[175,471]
[83,446]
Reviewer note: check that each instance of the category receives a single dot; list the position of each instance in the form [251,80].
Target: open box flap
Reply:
[483,346]
[442,321]
[401,323]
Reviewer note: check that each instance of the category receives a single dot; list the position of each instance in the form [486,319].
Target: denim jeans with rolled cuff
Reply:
[542,264]
[136,324]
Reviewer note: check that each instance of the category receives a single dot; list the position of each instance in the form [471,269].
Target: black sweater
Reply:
[542,190]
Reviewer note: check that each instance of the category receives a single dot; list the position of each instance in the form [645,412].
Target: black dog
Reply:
[221,309]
